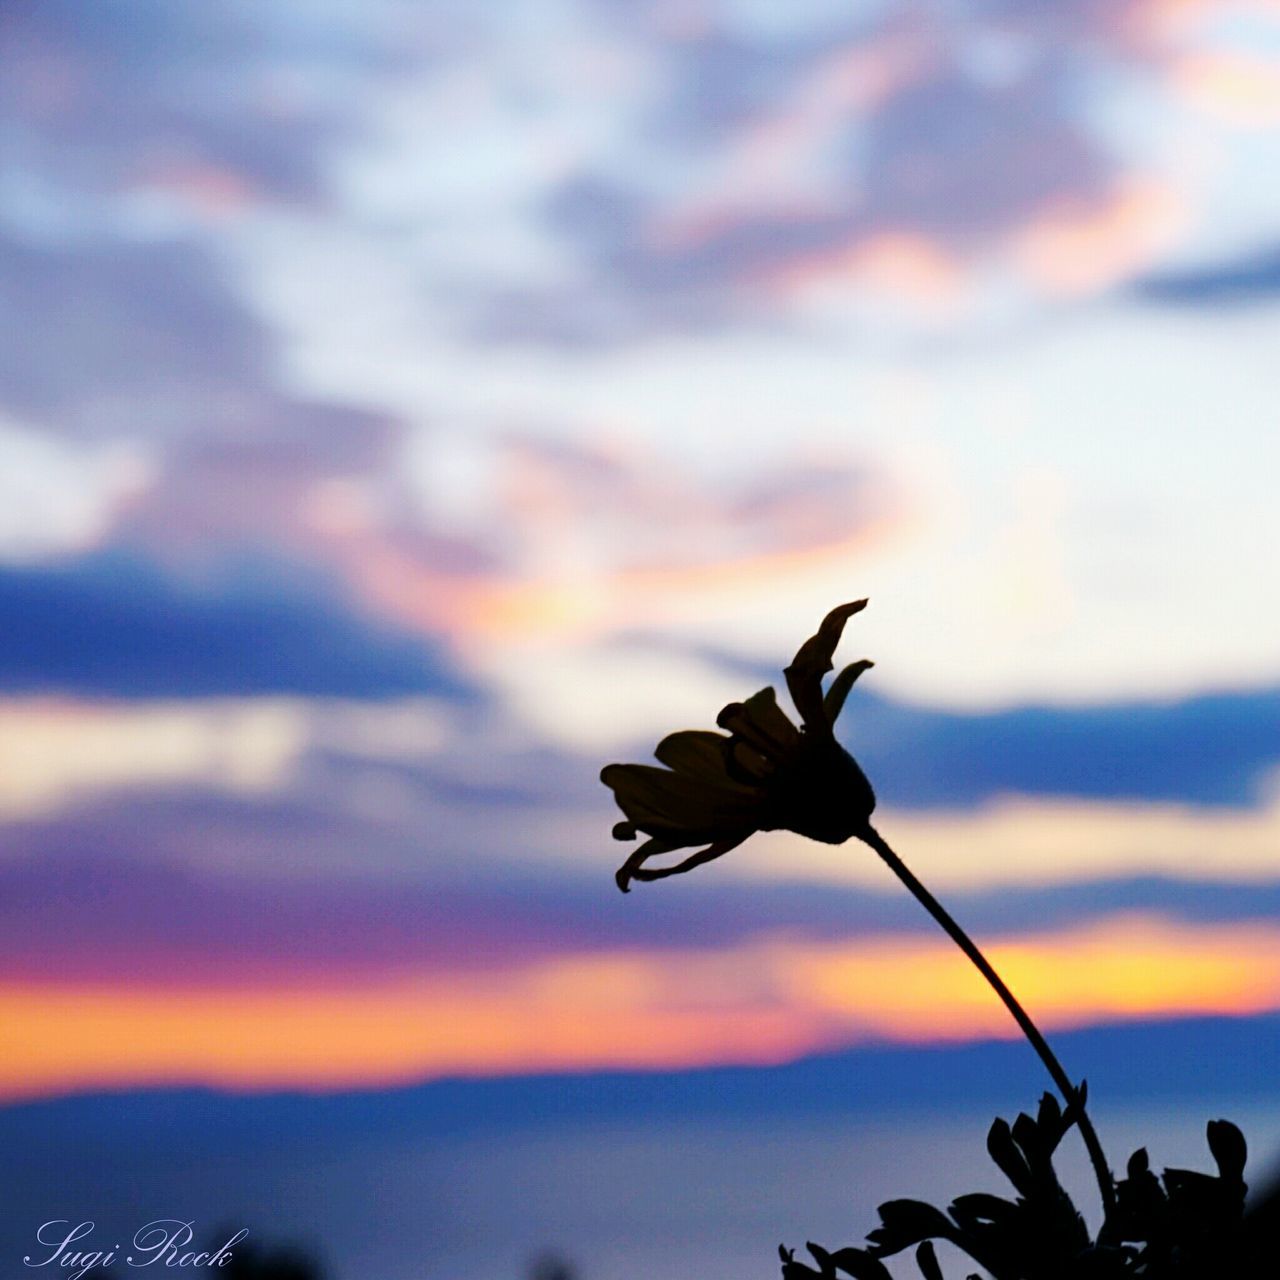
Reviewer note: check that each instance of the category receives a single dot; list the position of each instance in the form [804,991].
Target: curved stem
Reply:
[1029,1029]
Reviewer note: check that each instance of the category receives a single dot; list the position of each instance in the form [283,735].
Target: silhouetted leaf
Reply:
[1076,1106]
[1049,1118]
[981,1207]
[1229,1149]
[793,1270]
[1191,1186]
[927,1261]
[1142,1210]
[908,1222]
[1103,1262]
[1005,1153]
[826,1267]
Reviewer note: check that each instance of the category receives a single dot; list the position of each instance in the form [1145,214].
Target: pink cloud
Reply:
[900,265]
[1238,88]
[1074,247]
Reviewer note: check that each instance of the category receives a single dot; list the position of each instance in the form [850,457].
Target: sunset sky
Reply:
[408,409]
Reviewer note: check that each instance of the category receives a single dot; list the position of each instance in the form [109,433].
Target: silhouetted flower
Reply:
[763,774]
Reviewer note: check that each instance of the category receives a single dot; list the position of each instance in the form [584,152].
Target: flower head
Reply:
[762,774]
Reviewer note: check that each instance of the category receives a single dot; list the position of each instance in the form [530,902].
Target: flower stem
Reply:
[1029,1029]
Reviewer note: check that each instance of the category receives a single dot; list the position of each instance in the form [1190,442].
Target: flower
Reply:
[763,774]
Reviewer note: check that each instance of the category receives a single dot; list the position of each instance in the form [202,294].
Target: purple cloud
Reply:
[86,900]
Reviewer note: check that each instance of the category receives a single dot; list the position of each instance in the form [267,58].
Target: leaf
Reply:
[908,1222]
[1077,1104]
[1049,1120]
[1104,1262]
[1185,1225]
[981,1207]
[793,1270]
[1229,1149]
[1142,1209]
[822,1258]
[927,1261]
[1027,1135]
[1190,1185]
[1013,1165]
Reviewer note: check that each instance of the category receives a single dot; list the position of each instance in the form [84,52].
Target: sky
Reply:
[408,409]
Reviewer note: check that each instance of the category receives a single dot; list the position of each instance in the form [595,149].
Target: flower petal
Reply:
[746,765]
[699,754]
[709,854]
[833,703]
[677,807]
[629,869]
[761,722]
[813,661]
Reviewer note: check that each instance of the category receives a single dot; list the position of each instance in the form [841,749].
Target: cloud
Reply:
[1028,841]
[1080,248]
[145,140]
[1238,87]
[1211,749]
[431,791]
[113,626]
[561,538]
[765,1001]
[122,339]
[144,359]
[133,895]
[53,755]
[60,498]
[790,158]
[758,169]
[1214,749]
[96,92]
[1253,279]
[153,344]
[61,756]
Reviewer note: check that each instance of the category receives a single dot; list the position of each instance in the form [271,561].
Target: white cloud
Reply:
[60,497]
[55,753]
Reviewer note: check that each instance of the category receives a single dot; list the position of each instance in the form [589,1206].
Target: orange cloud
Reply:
[764,1001]
[1124,967]
[580,609]
[905,265]
[597,550]
[1075,248]
[1239,88]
